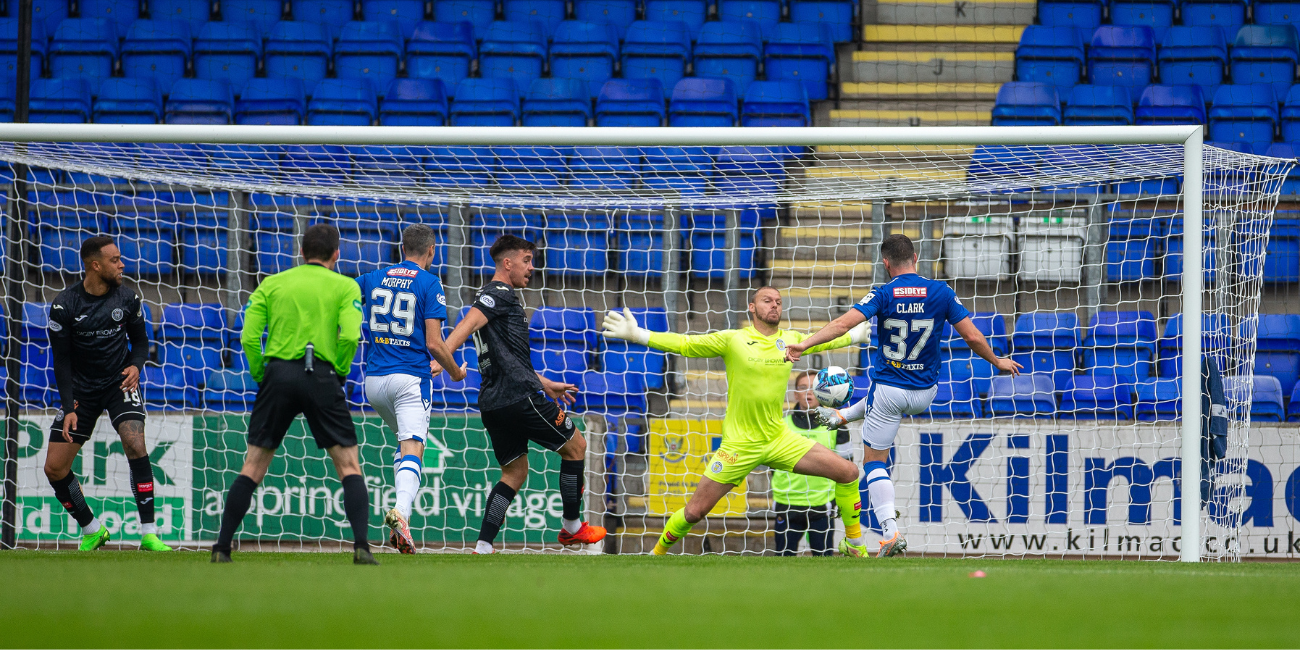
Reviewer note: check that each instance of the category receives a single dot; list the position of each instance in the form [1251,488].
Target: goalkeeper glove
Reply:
[830,417]
[623,326]
[861,333]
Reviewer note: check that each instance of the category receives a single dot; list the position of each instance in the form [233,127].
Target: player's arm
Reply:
[438,348]
[623,326]
[251,337]
[843,331]
[979,345]
[349,331]
[558,390]
[61,350]
[137,333]
[473,321]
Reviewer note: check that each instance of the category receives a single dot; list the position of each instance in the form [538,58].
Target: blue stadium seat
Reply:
[442,51]
[203,234]
[229,390]
[657,50]
[366,245]
[547,12]
[1293,410]
[960,364]
[802,52]
[1158,399]
[1089,105]
[835,16]
[1027,103]
[1121,343]
[298,49]
[331,13]
[708,244]
[1282,262]
[1243,113]
[776,103]
[62,227]
[578,244]
[1195,56]
[200,101]
[192,12]
[640,245]
[1029,395]
[729,50]
[148,243]
[1266,403]
[343,102]
[1265,54]
[532,166]
[612,393]
[120,12]
[586,51]
[194,361]
[1277,340]
[60,100]
[263,14]
[414,102]
[703,102]
[48,13]
[631,102]
[9,48]
[167,389]
[315,162]
[1045,342]
[272,101]
[406,13]
[456,396]
[1081,14]
[1122,56]
[691,13]
[954,400]
[1134,243]
[192,323]
[486,227]
[1094,397]
[1161,104]
[767,13]
[227,52]
[157,48]
[84,47]
[1290,116]
[128,101]
[478,13]
[607,168]
[369,50]
[1228,15]
[457,166]
[680,169]
[485,102]
[557,102]
[1216,331]
[751,169]
[7,99]
[574,325]
[619,13]
[1050,55]
[1278,12]
[513,50]
[1156,14]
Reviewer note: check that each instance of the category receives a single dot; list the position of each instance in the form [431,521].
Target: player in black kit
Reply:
[99,341]
[513,398]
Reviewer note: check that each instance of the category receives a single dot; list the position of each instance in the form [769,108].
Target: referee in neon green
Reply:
[312,320]
[803,503]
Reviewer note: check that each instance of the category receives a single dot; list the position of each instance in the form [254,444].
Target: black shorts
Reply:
[121,406]
[288,390]
[536,418]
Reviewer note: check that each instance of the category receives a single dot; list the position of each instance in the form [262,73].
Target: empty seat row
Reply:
[1229,15]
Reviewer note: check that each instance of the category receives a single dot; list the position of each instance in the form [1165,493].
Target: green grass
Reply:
[129,599]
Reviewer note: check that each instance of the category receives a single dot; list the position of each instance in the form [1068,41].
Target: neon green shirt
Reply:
[799,490]
[306,304]
[757,376]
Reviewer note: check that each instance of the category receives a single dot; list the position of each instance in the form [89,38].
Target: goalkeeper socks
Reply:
[495,513]
[408,483]
[142,489]
[848,498]
[237,502]
[881,490]
[571,493]
[68,491]
[674,529]
[356,502]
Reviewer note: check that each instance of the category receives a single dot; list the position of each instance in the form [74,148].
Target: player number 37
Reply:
[898,339]
[402,307]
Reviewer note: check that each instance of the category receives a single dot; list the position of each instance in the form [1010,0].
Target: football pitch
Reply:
[129,599]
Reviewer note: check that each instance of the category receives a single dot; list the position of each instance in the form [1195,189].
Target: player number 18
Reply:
[402,307]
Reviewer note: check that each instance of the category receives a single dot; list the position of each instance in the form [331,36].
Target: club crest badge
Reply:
[780,345]
[117,314]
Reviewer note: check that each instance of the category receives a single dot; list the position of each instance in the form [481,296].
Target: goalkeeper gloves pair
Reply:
[623,326]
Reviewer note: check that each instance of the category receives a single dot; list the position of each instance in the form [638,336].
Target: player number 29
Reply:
[899,338]
[402,307]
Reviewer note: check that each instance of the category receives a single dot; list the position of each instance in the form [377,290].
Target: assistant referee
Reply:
[312,319]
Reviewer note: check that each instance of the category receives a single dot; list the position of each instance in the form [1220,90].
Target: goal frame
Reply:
[1190,137]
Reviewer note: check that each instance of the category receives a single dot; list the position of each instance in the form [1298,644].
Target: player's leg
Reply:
[879,428]
[514,472]
[330,421]
[547,424]
[817,460]
[356,500]
[819,530]
[401,401]
[707,494]
[67,489]
[126,412]
[787,535]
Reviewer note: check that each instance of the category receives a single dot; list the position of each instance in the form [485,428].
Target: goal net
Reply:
[1070,255]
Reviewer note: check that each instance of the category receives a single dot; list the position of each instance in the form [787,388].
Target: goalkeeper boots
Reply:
[364,556]
[587,534]
[895,545]
[400,537]
[853,550]
[151,542]
[95,540]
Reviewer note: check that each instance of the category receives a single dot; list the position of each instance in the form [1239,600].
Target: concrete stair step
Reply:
[956,12]
[910,118]
[932,67]
[942,34]
[858,90]
[859,269]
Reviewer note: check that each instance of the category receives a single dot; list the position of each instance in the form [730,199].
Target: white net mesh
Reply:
[1071,257]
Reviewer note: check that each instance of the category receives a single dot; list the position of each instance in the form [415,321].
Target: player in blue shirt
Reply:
[404,310]
[910,312]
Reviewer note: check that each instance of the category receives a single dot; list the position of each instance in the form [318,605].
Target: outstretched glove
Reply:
[623,326]
[861,333]
[829,417]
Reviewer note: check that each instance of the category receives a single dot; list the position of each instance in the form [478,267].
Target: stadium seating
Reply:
[128,101]
[1094,397]
[767,13]
[608,168]
[835,16]
[203,234]
[513,50]
[369,50]
[1282,263]
[61,229]
[1158,399]
[562,339]
[157,48]
[1161,104]
[532,166]
[691,13]
[586,51]
[9,47]
[956,400]
[1293,406]
[557,102]
[200,101]
[1156,14]
[1029,395]
[343,102]
[478,13]
[1082,14]
[46,13]
[703,102]
[299,50]
[1243,113]
[36,374]
[414,102]
[366,245]
[456,396]
[708,242]
[406,13]
[729,50]
[1122,56]
[191,340]
[148,243]
[1194,56]
[60,100]
[612,393]
[549,13]
[272,101]
[1216,330]
[119,12]
[1089,105]
[1044,342]
[1290,116]
[230,390]
[1227,15]
[1265,54]
[1266,403]
[578,244]
[192,12]
[630,358]
[640,245]
[803,52]
[657,50]
[776,103]
[960,364]
[444,51]
[631,102]
[263,14]
[485,102]
[1277,340]
[619,13]
[1122,344]
[1051,55]
[1027,103]
[84,47]
[227,52]
[331,13]
[7,101]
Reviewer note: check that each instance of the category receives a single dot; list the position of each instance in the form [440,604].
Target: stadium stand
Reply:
[443,51]
[414,102]
[157,48]
[227,52]
[272,101]
[298,49]
[84,47]
[369,50]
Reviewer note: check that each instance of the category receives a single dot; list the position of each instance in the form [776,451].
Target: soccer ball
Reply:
[833,387]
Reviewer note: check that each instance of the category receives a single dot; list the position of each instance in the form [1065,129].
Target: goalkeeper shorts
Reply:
[886,406]
[732,462]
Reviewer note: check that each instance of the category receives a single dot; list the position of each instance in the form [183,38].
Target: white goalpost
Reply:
[1110,260]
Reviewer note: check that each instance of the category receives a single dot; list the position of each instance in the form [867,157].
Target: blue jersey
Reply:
[910,312]
[397,301]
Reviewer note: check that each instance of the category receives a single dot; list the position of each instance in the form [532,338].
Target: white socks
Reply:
[149,529]
[572,526]
[92,527]
[484,548]
[408,483]
[881,491]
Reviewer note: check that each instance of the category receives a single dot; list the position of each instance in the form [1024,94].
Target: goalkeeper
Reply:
[754,431]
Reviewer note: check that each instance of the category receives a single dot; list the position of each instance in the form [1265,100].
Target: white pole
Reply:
[1193,253]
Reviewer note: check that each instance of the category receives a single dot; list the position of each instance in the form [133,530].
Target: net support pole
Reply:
[735,297]
[671,260]
[1094,260]
[457,240]
[1193,254]
[878,275]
